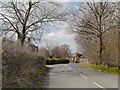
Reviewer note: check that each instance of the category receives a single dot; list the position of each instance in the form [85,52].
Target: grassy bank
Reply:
[36,78]
[102,68]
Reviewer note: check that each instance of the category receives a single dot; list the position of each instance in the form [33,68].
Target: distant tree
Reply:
[49,45]
[43,52]
[66,51]
[57,52]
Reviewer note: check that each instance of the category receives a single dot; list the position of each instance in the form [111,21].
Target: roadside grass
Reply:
[71,63]
[36,78]
[102,68]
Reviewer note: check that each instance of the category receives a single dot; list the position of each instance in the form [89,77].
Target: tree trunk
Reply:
[18,35]
[101,42]
[101,49]
[22,40]
[23,35]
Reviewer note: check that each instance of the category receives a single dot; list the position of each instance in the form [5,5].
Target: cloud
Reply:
[61,25]
[82,0]
[76,6]
[60,0]
[61,37]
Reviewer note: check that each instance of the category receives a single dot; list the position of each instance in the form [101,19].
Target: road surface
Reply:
[76,76]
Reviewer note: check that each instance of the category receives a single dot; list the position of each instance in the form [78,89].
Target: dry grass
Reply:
[18,64]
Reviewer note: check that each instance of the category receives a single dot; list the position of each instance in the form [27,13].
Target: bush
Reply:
[110,59]
[18,64]
[56,61]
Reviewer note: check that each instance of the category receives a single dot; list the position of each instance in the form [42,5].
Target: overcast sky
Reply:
[59,37]
[59,34]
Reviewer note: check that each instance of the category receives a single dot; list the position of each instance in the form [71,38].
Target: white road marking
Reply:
[66,65]
[84,76]
[69,68]
[87,78]
[97,84]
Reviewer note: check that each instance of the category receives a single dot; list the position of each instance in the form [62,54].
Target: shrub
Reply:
[18,64]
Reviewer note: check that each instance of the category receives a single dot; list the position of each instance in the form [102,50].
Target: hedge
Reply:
[57,61]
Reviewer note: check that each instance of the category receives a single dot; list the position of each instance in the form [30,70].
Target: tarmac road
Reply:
[76,76]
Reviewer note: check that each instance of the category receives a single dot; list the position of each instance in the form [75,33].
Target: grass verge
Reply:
[36,78]
[102,68]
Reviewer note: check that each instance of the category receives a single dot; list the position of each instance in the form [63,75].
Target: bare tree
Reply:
[89,47]
[57,52]
[94,20]
[26,18]
[43,52]
[49,45]
[66,51]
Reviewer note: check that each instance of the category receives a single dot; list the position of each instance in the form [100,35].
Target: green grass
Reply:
[114,70]
[36,78]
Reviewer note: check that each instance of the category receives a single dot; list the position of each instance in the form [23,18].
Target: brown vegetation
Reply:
[20,66]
